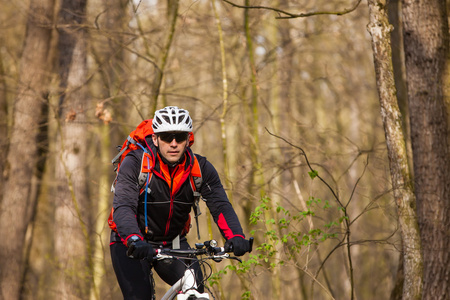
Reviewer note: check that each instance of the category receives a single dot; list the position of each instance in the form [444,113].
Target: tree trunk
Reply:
[379,29]
[72,243]
[23,176]
[3,123]
[398,62]
[426,39]
[257,181]
[110,57]
[172,15]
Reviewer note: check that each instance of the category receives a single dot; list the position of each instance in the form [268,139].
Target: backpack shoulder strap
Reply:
[125,147]
[196,183]
[147,164]
[196,175]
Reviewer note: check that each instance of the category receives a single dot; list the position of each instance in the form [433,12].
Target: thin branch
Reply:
[369,206]
[289,15]
[309,165]
[357,182]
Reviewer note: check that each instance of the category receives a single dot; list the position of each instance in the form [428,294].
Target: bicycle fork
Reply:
[185,288]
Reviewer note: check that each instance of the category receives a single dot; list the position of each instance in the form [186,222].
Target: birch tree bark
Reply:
[72,244]
[426,39]
[380,29]
[22,175]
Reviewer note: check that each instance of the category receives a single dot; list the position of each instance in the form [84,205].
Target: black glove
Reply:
[238,245]
[140,250]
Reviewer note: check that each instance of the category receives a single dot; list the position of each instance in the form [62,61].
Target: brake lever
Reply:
[220,256]
[235,258]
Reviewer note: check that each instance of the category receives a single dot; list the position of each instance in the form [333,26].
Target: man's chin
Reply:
[173,159]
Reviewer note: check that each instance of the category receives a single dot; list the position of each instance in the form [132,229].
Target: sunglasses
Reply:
[169,136]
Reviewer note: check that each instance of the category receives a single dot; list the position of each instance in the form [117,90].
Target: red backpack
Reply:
[136,140]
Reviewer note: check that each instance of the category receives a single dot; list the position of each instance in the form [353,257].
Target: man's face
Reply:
[171,144]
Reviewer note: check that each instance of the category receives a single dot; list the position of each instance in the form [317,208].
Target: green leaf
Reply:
[331,224]
[342,219]
[313,174]
[246,295]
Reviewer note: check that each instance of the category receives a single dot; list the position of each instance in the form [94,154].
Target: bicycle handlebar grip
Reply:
[250,246]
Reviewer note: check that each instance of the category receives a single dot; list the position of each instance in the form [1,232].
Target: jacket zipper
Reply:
[171,202]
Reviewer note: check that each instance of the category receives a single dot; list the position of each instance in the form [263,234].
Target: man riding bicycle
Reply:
[158,215]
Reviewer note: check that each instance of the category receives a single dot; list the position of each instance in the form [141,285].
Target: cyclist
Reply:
[169,201]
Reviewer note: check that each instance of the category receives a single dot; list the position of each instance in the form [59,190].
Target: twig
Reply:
[289,15]
[309,165]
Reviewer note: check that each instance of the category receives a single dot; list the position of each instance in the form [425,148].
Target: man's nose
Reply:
[173,143]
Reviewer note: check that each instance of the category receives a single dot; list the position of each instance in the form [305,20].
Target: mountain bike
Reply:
[186,287]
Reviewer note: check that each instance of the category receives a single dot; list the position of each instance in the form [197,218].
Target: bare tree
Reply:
[380,28]
[23,162]
[398,62]
[110,56]
[3,122]
[426,43]
[163,55]
[73,251]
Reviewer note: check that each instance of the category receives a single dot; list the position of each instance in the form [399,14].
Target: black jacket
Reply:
[169,201]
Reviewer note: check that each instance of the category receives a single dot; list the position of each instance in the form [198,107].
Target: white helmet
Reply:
[171,118]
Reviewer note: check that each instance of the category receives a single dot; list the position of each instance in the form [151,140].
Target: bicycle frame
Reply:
[187,286]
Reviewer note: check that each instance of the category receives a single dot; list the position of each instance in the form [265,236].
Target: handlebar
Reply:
[206,248]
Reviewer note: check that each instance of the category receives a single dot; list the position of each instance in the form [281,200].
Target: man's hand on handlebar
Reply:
[139,249]
[238,245]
